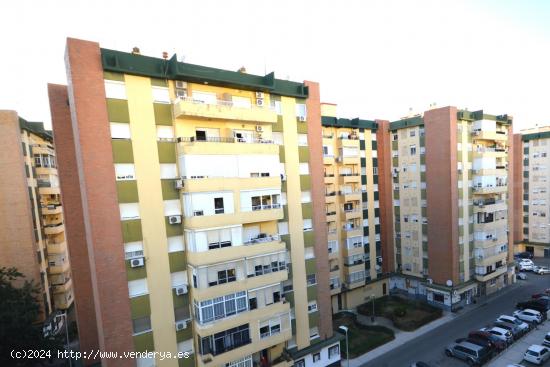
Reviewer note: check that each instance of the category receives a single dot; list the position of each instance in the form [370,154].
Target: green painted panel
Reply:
[184,334]
[290,298]
[131,230]
[311,266]
[159,82]
[285,213]
[311,293]
[135,273]
[278,127]
[309,238]
[396,194]
[286,239]
[187,362]
[305,182]
[140,306]
[397,210]
[177,261]
[313,319]
[395,162]
[113,76]
[307,210]
[169,191]
[301,127]
[122,151]
[127,191]
[167,152]
[303,154]
[144,342]
[283,186]
[423,194]
[180,301]
[163,113]
[173,229]
[117,110]
[281,153]
[394,145]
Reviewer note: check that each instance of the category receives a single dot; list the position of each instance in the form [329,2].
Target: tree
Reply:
[19,330]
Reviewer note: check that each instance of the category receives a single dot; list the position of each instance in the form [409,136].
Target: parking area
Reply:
[514,354]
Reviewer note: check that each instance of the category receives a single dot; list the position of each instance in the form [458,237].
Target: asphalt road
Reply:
[430,347]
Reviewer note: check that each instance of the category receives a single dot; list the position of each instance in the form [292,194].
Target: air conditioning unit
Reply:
[198,213]
[180,84]
[179,139]
[181,325]
[301,118]
[495,239]
[178,184]
[181,290]
[174,219]
[259,128]
[181,93]
[260,95]
[137,262]
[259,102]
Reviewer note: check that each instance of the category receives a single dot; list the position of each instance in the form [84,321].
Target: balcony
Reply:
[255,344]
[329,178]
[489,206]
[488,260]
[51,229]
[491,226]
[331,216]
[351,195]
[501,172]
[350,140]
[58,267]
[62,288]
[57,247]
[260,246]
[212,184]
[46,190]
[226,145]
[352,213]
[493,274]
[63,302]
[482,190]
[245,317]
[489,135]
[489,241]
[350,178]
[483,152]
[328,159]
[51,209]
[260,213]
[222,110]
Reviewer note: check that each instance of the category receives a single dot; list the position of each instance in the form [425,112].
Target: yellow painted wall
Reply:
[328,109]
[144,142]
[220,91]
[295,221]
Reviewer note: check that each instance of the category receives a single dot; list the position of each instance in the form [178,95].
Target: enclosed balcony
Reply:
[226,145]
[485,273]
[51,209]
[63,287]
[223,110]
[55,228]
[56,246]
[58,266]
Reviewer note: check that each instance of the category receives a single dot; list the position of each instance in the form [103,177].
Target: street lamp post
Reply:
[451,284]
[372,298]
[64,316]
[345,329]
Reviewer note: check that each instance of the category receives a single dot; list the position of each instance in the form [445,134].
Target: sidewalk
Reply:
[402,337]
[514,354]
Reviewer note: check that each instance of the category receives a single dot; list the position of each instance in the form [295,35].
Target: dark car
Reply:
[524,255]
[420,364]
[541,304]
[498,345]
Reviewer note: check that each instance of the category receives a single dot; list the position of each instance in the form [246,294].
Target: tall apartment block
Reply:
[532,163]
[450,171]
[196,221]
[350,157]
[32,235]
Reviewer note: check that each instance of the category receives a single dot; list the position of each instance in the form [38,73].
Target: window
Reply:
[225,276]
[120,130]
[129,211]
[334,351]
[115,89]
[304,168]
[413,149]
[306,197]
[316,357]
[412,133]
[141,325]
[125,171]
[133,250]
[301,110]
[241,102]
[220,307]
[165,132]
[218,206]
[300,363]
[161,95]
[311,279]
[137,287]
[307,225]
[225,340]
[277,138]
[312,306]
[302,140]
[168,170]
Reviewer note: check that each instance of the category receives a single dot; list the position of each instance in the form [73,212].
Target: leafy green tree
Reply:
[19,329]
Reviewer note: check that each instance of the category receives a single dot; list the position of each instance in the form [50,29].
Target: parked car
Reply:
[498,344]
[529,315]
[524,255]
[521,276]
[514,329]
[481,342]
[546,341]
[515,365]
[537,354]
[473,354]
[502,334]
[523,326]
[541,270]
[526,265]
[420,364]
[541,304]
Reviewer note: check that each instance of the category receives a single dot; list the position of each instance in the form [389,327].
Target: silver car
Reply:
[473,354]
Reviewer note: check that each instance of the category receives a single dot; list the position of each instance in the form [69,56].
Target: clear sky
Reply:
[375,59]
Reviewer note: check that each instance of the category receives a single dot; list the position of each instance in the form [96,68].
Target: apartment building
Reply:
[32,236]
[451,196]
[195,210]
[532,163]
[350,158]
